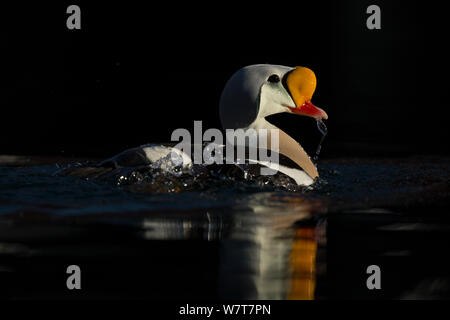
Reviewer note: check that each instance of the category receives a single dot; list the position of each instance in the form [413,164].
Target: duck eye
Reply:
[274,78]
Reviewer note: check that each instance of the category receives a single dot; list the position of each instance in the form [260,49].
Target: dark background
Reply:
[135,72]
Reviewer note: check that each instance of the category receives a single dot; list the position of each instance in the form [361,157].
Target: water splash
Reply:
[323,130]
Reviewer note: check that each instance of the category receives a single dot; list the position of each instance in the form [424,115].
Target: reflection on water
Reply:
[256,254]
[303,260]
[263,253]
[228,243]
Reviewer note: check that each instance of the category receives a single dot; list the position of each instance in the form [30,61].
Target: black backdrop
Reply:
[138,70]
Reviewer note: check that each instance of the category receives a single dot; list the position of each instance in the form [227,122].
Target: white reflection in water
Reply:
[263,253]
[267,257]
[204,226]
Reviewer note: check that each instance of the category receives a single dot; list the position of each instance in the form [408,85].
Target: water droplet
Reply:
[323,130]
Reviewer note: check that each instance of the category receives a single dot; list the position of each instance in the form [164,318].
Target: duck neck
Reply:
[287,146]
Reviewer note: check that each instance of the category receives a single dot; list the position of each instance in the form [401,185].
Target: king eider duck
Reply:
[250,95]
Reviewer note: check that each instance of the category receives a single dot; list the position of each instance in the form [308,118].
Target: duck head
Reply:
[257,91]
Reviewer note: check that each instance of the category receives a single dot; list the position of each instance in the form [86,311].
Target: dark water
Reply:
[181,237]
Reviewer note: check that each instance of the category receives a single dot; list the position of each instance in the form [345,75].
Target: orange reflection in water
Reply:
[302,261]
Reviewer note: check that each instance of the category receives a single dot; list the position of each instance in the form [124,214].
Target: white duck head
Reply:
[257,91]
